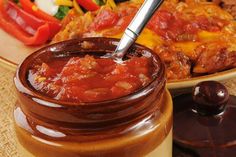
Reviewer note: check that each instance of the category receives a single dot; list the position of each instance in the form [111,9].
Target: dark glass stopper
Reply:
[210,97]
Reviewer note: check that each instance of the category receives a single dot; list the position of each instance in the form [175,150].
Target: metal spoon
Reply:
[135,27]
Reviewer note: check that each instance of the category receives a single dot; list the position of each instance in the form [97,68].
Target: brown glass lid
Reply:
[205,121]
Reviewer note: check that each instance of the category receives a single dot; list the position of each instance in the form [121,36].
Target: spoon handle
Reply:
[136,26]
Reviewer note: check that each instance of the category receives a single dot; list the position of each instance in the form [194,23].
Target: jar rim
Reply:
[23,86]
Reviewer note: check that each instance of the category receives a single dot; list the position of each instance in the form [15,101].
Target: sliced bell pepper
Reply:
[37,39]
[24,26]
[31,8]
[54,24]
[77,7]
[111,4]
[26,22]
[88,5]
[68,3]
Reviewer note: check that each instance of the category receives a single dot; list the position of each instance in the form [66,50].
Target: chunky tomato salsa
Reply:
[90,79]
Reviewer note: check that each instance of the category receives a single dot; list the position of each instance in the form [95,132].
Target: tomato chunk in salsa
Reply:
[90,79]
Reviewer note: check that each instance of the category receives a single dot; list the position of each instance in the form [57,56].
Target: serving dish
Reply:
[184,86]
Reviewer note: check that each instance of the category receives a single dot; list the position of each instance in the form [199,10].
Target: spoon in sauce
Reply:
[135,27]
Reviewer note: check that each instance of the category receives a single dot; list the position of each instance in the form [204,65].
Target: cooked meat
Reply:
[228,5]
[214,58]
[178,65]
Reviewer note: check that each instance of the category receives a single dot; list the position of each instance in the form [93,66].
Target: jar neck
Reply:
[97,116]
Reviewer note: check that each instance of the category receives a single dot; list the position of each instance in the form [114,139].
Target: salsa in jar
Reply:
[90,78]
[71,101]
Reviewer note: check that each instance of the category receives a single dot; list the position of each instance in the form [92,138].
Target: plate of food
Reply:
[195,40]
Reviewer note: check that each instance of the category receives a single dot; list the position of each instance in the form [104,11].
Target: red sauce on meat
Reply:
[90,79]
[105,19]
[170,25]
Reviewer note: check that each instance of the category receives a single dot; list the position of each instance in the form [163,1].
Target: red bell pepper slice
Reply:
[25,27]
[39,38]
[31,8]
[88,5]
[27,22]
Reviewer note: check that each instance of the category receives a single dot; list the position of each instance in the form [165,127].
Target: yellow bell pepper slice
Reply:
[68,3]
[111,4]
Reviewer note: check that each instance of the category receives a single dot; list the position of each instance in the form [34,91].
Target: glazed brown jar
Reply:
[135,125]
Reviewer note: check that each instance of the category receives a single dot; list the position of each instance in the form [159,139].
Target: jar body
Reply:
[150,136]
